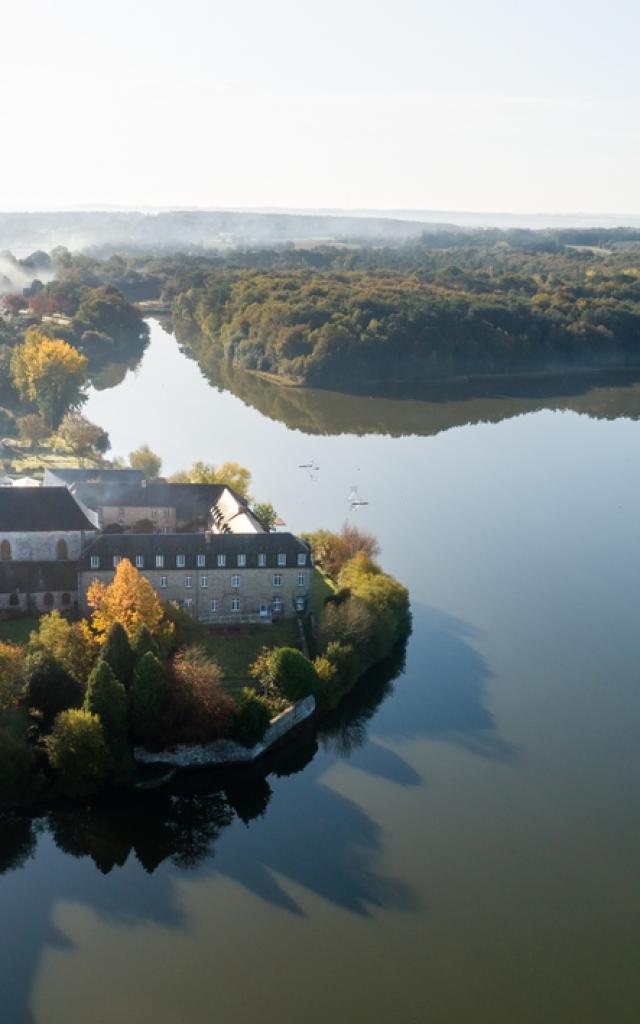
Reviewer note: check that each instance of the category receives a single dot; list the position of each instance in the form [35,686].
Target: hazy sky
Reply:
[467,105]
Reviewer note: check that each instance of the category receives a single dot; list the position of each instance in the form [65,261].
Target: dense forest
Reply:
[368,318]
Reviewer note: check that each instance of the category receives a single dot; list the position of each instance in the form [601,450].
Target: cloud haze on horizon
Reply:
[488,107]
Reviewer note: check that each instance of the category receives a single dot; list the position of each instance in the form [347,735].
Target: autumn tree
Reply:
[11,674]
[72,644]
[84,438]
[33,428]
[235,476]
[200,708]
[78,752]
[146,460]
[49,373]
[129,599]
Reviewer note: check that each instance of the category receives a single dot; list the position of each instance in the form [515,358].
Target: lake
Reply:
[461,841]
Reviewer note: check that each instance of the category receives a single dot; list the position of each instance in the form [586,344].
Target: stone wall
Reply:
[225,752]
[39,603]
[43,547]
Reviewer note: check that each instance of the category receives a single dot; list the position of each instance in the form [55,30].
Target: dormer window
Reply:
[180,561]
[262,560]
[201,561]
[302,558]
[116,561]
[221,561]
[282,558]
[139,561]
[242,561]
[95,561]
[159,561]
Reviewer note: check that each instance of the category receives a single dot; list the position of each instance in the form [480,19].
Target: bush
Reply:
[118,654]
[200,710]
[252,718]
[11,674]
[143,643]
[72,644]
[106,698]
[50,688]
[148,698]
[17,764]
[78,752]
[186,631]
[293,675]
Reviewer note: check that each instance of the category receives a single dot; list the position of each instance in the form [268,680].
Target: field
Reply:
[236,648]
[17,630]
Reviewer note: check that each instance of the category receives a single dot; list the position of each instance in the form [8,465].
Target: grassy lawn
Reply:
[17,630]
[321,588]
[236,647]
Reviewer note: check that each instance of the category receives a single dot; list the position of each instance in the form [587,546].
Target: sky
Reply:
[482,105]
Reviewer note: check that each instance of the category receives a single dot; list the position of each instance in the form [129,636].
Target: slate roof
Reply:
[40,510]
[128,545]
[192,502]
[38,577]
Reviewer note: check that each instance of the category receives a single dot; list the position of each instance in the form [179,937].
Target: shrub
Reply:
[17,763]
[200,710]
[106,698]
[50,688]
[185,630]
[143,643]
[293,675]
[117,653]
[252,718]
[11,674]
[72,644]
[78,752]
[148,697]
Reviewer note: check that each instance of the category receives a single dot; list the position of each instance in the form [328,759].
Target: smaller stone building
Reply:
[215,577]
[43,532]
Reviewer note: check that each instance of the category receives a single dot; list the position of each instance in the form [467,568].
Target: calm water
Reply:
[463,845]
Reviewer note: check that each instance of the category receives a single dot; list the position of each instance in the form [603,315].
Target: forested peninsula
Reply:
[366,318]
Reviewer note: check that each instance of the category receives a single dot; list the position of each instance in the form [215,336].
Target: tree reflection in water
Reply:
[182,821]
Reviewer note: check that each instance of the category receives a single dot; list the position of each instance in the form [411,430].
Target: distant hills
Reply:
[82,229]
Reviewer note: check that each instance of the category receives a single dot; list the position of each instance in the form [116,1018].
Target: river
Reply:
[462,843]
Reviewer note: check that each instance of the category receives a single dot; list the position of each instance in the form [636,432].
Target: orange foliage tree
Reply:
[129,599]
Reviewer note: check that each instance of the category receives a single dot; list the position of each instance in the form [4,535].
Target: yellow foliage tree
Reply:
[50,373]
[129,599]
[11,665]
[71,643]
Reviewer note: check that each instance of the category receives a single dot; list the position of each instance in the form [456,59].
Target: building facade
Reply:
[214,577]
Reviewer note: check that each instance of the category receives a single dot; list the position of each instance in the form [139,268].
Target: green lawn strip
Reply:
[321,588]
[236,648]
[17,631]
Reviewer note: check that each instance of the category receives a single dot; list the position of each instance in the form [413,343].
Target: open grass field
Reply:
[236,648]
[17,631]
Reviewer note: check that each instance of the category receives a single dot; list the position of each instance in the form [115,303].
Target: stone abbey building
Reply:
[199,545]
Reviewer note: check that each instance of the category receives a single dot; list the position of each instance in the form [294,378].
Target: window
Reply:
[300,604]
[277,579]
[116,561]
[221,561]
[159,561]
[66,600]
[301,579]
[187,604]
[62,551]
[214,604]
[180,561]
[187,582]
[235,581]
[5,551]
[48,600]
[95,561]
[282,558]
[235,604]
[302,558]
[204,582]
[14,601]
[242,560]
[201,561]
[264,611]
[139,561]
[262,561]
[277,604]
[163,582]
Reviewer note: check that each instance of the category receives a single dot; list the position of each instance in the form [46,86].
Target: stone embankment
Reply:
[226,752]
